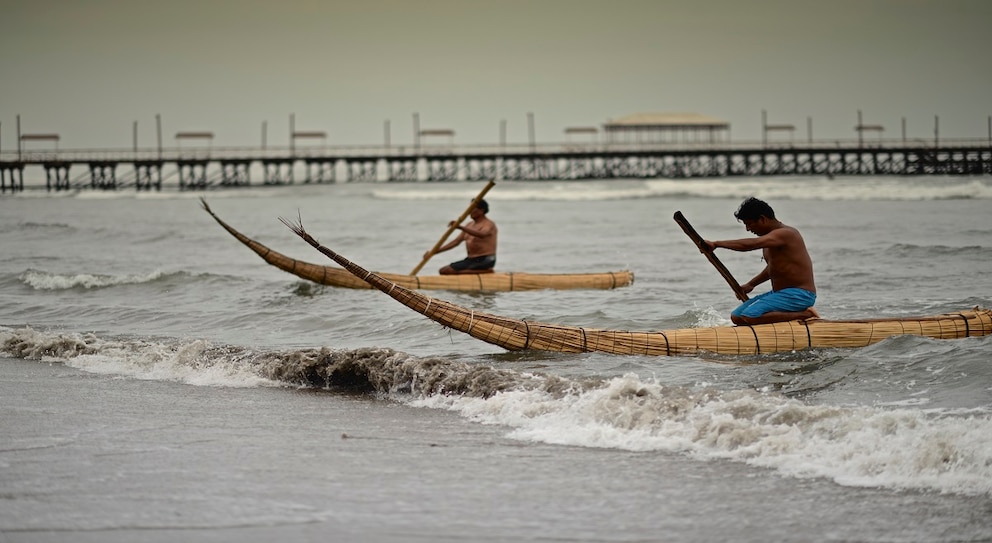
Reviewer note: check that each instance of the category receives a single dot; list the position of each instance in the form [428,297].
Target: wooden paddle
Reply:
[452,228]
[698,240]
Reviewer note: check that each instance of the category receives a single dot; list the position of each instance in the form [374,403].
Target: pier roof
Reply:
[437,132]
[40,137]
[309,134]
[194,135]
[665,120]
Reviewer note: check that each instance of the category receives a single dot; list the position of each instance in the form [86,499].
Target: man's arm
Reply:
[762,276]
[450,245]
[478,232]
[774,238]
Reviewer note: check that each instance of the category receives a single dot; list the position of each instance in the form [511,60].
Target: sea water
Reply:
[162,382]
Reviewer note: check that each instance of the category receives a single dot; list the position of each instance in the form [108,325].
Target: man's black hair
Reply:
[483,206]
[752,209]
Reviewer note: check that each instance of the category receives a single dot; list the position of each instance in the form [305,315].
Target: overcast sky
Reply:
[88,69]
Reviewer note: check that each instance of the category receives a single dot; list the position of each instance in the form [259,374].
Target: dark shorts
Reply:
[475,263]
[787,299]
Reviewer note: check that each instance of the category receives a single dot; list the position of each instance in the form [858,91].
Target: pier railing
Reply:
[174,154]
[207,166]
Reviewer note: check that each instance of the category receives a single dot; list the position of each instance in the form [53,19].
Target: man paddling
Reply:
[787,265]
[480,244]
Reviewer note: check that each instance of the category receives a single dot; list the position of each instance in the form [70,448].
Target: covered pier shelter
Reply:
[666,128]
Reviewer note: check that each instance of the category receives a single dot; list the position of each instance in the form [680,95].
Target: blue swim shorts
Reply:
[787,299]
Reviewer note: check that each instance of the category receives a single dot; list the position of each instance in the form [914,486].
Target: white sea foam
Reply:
[188,362]
[815,188]
[262,191]
[903,448]
[42,280]
[777,188]
[708,316]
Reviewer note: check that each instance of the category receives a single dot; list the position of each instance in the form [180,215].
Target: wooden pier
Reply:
[211,167]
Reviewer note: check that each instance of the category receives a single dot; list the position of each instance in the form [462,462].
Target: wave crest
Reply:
[42,280]
[813,188]
[901,447]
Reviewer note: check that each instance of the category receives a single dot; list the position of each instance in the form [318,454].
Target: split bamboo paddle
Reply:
[698,240]
[451,228]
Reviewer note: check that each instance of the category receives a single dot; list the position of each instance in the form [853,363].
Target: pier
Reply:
[640,146]
[199,169]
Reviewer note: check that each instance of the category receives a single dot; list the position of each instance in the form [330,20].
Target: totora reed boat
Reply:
[515,334]
[489,282]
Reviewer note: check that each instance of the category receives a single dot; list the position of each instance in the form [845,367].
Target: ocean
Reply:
[160,382]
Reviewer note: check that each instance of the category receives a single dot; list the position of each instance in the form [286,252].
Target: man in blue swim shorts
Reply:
[787,265]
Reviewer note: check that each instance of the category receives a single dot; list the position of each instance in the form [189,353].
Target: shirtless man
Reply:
[788,266]
[480,243]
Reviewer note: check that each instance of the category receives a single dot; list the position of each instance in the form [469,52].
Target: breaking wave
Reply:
[42,280]
[774,188]
[900,447]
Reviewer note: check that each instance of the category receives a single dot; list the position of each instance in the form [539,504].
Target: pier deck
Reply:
[198,169]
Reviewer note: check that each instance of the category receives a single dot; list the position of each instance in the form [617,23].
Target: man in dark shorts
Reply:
[787,265]
[480,243]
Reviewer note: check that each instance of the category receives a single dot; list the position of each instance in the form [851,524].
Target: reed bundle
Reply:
[491,282]
[515,334]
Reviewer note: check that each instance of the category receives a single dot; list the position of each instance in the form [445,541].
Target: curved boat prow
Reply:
[276,259]
[304,270]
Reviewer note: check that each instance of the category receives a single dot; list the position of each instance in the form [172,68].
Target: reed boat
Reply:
[514,334]
[483,282]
